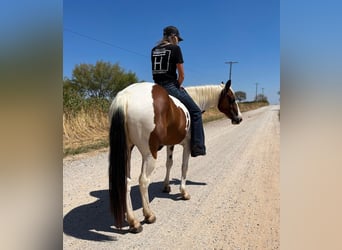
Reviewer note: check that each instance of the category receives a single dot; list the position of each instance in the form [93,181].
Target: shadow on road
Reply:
[88,221]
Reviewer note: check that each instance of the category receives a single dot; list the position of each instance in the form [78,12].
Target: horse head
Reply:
[227,104]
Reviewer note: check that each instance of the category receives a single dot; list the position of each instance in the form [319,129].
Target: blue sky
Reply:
[124,31]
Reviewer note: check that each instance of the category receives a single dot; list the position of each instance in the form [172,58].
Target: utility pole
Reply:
[230,68]
[256,91]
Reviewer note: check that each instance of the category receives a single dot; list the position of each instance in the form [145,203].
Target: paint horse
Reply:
[145,116]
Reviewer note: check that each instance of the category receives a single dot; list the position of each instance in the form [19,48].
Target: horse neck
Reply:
[205,96]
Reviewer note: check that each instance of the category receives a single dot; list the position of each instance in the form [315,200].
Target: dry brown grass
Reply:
[89,130]
[84,131]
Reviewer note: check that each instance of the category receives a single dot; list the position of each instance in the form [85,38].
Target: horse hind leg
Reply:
[144,182]
[134,224]
[186,154]
[169,162]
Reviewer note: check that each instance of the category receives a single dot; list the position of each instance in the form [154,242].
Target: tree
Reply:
[102,80]
[72,97]
[261,98]
[240,95]
[93,86]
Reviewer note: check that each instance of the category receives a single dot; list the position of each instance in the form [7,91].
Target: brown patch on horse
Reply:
[169,120]
[228,105]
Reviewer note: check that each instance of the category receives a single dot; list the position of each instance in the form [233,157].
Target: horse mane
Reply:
[205,96]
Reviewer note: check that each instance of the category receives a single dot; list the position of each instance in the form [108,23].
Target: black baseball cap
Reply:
[172,30]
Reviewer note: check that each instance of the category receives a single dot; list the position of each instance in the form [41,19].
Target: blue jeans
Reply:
[197,132]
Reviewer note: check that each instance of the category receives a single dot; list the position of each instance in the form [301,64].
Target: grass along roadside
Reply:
[88,131]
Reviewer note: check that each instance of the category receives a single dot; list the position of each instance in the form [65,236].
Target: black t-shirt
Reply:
[164,59]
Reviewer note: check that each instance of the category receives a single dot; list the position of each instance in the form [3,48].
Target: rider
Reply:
[167,59]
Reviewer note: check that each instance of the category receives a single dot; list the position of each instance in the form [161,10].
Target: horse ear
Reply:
[228,84]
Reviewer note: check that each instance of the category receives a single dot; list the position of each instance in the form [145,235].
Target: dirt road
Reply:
[235,200]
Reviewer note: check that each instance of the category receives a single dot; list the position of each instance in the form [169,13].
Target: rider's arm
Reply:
[180,70]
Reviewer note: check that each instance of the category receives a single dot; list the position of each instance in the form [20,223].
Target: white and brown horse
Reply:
[145,116]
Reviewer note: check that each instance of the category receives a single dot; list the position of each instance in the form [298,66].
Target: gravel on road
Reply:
[235,197]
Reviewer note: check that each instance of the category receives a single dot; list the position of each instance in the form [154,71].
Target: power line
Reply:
[113,45]
[104,42]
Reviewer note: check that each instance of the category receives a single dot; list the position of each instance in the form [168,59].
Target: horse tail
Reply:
[118,162]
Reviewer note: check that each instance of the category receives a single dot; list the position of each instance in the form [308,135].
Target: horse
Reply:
[146,116]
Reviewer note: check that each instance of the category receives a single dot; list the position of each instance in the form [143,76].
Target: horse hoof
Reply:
[186,196]
[151,219]
[136,230]
[167,189]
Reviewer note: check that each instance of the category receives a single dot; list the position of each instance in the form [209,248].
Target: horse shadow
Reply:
[87,221]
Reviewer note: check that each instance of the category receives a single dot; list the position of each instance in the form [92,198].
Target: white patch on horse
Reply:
[179,104]
[139,113]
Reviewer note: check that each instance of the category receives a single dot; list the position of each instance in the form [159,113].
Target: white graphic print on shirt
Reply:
[161,60]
